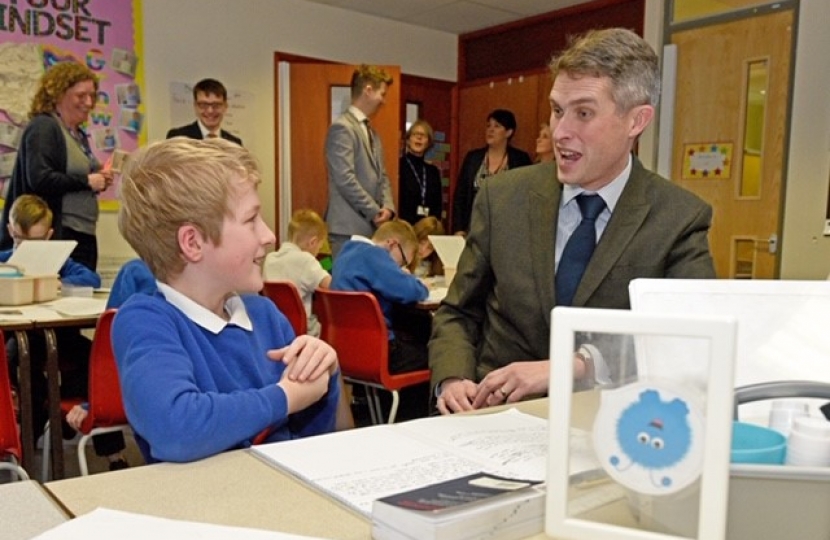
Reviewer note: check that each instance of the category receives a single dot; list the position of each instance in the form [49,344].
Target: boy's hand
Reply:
[306,359]
[75,417]
[301,395]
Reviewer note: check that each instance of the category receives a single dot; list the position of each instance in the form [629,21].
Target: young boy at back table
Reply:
[296,260]
[380,265]
[31,219]
[205,363]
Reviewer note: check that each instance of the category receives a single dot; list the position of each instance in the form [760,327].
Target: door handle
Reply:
[772,243]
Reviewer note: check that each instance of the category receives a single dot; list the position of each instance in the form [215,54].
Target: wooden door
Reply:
[311,114]
[724,148]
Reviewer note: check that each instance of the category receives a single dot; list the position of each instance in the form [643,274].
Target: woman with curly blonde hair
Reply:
[55,161]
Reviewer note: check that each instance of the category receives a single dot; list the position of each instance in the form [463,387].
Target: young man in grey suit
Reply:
[360,195]
[210,101]
[490,341]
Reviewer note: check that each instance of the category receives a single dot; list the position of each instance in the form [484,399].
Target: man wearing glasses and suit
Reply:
[210,101]
[360,195]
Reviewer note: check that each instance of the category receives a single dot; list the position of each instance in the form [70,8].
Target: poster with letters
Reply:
[105,36]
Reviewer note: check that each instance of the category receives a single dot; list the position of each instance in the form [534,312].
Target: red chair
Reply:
[106,408]
[287,298]
[353,324]
[10,447]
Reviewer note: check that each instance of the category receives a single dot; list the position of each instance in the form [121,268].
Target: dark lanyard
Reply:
[422,182]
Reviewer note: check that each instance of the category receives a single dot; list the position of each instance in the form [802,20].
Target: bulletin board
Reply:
[104,35]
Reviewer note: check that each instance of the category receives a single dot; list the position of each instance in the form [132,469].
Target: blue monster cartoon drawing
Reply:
[654,434]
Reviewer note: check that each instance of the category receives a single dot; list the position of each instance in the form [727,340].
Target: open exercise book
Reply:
[358,466]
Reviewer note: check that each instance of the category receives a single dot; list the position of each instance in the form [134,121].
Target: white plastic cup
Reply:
[783,413]
[809,442]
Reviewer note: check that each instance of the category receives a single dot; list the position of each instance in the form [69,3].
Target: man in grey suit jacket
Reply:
[360,195]
[490,340]
[210,101]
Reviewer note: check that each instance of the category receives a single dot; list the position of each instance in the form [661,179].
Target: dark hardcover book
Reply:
[468,507]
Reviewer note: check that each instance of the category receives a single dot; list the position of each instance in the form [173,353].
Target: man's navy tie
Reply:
[578,250]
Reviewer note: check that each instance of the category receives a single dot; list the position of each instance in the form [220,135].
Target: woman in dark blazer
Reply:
[419,182]
[481,163]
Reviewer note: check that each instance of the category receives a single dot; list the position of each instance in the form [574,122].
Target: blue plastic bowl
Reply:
[752,443]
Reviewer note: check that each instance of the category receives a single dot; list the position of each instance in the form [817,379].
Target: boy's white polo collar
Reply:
[205,318]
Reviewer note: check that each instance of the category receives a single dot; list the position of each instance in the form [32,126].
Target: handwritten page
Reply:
[361,465]
[105,523]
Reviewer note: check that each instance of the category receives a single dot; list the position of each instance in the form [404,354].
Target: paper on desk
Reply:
[27,313]
[42,257]
[106,523]
[409,455]
[437,294]
[448,247]
[78,306]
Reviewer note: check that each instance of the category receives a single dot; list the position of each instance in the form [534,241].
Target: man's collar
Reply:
[234,307]
[610,193]
[357,113]
[205,131]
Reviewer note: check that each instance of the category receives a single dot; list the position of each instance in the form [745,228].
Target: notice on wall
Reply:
[707,161]
[104,35]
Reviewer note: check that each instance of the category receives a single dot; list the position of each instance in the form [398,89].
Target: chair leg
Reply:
[12,466]
[393,412]
[378,406]
[47,454]
[82,465]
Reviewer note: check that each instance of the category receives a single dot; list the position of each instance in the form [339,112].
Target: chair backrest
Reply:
[9,437]
[106,407]
[353,324]
[287,298]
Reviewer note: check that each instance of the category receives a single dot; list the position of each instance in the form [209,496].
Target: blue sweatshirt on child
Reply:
[191,392]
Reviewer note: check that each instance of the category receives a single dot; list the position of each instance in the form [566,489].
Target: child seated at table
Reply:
[380,266]
[296,260]
[430,264]
[31,219]
[205,363]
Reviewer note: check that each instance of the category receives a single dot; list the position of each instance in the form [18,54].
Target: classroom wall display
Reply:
[707,161]
[104,35]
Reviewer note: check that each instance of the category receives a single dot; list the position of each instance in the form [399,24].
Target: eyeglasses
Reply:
[403,255]
[20,236]
[215,105]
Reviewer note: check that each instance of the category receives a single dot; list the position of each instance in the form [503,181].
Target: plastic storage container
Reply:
[16,291]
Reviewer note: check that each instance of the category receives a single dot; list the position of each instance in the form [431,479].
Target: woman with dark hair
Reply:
[55,161]
[481,163]
[419,193]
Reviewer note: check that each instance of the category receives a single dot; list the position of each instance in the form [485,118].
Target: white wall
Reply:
[805,251]
[235,40]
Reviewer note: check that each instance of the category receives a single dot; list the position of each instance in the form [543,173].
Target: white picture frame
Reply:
[703,468]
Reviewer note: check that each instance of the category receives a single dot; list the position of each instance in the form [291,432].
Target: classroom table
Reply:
[28,510]
[33,318]
[234,488]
